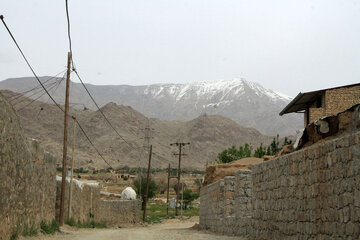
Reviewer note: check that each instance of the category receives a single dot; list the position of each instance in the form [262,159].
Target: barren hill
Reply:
[208,135]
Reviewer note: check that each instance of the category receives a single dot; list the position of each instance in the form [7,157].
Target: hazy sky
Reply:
[288,46]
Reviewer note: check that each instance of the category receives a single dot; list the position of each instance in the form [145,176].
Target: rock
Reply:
[128,194]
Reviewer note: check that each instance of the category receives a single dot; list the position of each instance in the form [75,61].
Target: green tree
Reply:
[232,154]
[260,151]
[189,196]
[140,183]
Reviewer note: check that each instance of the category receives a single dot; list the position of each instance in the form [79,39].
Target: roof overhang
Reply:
[301,102]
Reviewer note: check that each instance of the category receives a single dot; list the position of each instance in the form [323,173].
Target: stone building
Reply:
[325,102]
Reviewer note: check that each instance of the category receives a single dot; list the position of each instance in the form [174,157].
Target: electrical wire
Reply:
[47,92]
[86,89]
[18,95]
[33,100]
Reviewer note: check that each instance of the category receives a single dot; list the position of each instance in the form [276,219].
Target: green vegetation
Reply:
[156,212]
[15,233]
[80,170]
[233,153]
[49,228]
[29,232]
[189,196]
[141,182]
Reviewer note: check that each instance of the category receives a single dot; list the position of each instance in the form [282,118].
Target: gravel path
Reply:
[170,230]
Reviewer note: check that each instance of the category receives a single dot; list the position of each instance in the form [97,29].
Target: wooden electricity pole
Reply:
[147,184]
[62,195]
[179,172]
[72,168]
[167,194]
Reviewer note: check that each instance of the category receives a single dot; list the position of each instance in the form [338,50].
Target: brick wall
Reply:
[336,100]
[27,177]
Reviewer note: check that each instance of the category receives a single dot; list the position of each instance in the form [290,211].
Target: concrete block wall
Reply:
[118,212]
[27,177]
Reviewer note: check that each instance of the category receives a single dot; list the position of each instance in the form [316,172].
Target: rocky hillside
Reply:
[247,103]
[208,134]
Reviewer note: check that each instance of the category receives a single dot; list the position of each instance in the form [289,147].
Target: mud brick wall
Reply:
[27,177]
[118,212]
[310,194]
[85,200]
[336,100]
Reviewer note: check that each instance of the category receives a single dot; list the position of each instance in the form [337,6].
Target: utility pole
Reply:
[72,167]
[167,194]
[146,147]
[180,144]
[63,180]
[147,184]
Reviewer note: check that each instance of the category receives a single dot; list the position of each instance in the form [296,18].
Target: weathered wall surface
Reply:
[225,205]
[27,177]
[313,193]
[118,212]
[85,200]
[87,205]
[336,100]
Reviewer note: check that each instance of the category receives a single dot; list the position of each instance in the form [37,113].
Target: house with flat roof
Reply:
[325,102]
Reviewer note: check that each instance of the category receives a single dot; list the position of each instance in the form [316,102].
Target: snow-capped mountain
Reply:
[248,103]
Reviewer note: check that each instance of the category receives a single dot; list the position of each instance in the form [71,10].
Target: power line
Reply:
[25,98]
[47,92]
[33,100]
[82,83]
[18,95]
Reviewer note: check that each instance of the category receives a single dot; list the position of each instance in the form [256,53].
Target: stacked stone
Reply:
[212,206]
[310,194]
[243,206]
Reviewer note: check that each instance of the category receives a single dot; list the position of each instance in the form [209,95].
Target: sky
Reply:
[289,46]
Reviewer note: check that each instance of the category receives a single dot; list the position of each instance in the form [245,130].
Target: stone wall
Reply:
[118,212]
[313,193]
[27,177]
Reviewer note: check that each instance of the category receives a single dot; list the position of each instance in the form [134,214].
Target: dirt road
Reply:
[171,230]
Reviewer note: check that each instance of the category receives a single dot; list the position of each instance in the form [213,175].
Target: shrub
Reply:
[51,228]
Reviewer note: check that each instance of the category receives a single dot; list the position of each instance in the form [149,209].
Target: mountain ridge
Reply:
[247,103]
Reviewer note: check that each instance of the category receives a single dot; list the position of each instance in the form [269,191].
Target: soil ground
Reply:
[172,229]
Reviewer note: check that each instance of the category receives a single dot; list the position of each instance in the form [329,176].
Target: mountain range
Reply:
[208,135]
[247,103]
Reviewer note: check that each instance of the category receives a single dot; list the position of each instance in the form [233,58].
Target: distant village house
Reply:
[321,103]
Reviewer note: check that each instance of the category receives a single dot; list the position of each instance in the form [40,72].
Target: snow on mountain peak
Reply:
[225,88]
